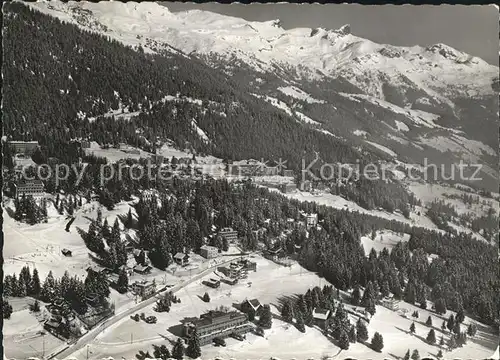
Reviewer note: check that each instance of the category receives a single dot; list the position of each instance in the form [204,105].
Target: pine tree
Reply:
[361,331]
[356,296]
[225,244]
[287,311]
[460,315]
[415,355]
[431,337]
[368,295]
[472,329]
[450,323]
[407,355]
[439,354]
[440,306]
[300,322]
[161,352]
[352,334]
[194,350]
[456,328]
[452,344]
[206,297]
[122,284]
[178,350]
[428,322]
[343,340]
[6,309]
[130,220]
[377,342]
[441,341]
[266,318]
[412,328]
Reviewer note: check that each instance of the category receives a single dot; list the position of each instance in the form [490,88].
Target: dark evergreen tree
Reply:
[206,297]
[412,328]
[161,352]
[356,296]
[377,342]
[450,324]
[193,349]
[407,355]
[343,340]
[428,322]
[361,331]
[287,311]
[431,337]
[122,284]
[300,322]
[415,355]
[266,318]
[352,334]
[178,350]
[6,309]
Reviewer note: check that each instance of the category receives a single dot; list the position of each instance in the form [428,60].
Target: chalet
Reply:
[390,303]
[213,283]
[93,300]
[24,147]
[274,254]
[34,188]
[249,265]
[287,188]
[141,256]
[66,252]
[259,233]
[229,234]
[209,252]
[53,324]
[253,305]
[142,269]
[321,316]
[181,258]
[229,280]
[144,289]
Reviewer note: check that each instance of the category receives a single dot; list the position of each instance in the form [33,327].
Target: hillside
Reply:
[403,100]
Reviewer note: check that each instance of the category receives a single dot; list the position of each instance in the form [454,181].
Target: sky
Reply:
[472,29]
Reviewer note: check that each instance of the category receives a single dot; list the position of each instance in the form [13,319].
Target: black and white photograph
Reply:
[249,181]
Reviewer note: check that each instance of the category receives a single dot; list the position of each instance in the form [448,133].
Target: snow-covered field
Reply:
[428,193]
[339,202]
[269,284]
[383,239]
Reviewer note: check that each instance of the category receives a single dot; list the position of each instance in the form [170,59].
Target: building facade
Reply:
[217,324]
[209,252]
[229,234]
[34,188]
[144,289]
[24,147]
[287,188]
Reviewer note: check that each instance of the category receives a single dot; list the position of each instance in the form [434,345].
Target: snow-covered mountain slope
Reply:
[404,100]
[439,70]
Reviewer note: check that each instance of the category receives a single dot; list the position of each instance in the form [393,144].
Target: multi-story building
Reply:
[24,147]
[209,252]
[29,187]
[229,234]
[305,185]
[288,173]
[321,317]
[311,220]
[217,324]
[144,289]
[287,188]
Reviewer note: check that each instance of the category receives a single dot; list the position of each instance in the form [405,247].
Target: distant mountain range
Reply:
[404,103]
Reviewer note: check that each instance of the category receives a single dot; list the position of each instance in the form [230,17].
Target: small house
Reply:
[229,234]
[181,258]
[320,316]
[144,289]
[288,173]
[66,252]
[252,305]
[213,283]
[274,254]
[142,269]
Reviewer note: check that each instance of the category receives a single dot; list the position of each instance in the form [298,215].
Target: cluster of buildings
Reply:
[253,167]
[237,270]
